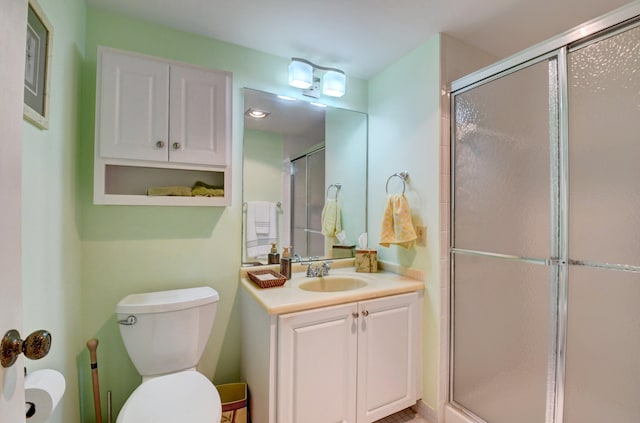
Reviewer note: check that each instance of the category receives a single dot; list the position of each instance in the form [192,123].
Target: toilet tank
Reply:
[167,331]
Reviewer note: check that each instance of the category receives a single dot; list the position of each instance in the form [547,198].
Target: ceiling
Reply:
[363,37]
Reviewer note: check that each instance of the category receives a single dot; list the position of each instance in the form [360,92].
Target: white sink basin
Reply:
[333,283]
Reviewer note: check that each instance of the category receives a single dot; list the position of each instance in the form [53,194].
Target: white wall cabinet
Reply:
[159,123]
[352,363]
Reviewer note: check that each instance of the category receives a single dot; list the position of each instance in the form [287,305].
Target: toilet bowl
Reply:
[165,334]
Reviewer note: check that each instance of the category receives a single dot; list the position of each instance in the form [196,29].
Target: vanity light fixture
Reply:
[256,113]
[301,75]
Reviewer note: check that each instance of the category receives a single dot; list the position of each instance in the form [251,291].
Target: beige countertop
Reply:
[290,298]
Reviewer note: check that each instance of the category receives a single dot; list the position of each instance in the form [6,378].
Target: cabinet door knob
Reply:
[35,346]
[160,144]
[365,313]
[355,314]
[176,146]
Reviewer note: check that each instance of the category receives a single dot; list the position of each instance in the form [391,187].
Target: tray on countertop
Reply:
[266,278]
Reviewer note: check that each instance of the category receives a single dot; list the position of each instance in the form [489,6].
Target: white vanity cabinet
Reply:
[318,365]
[354,363]
[159,123]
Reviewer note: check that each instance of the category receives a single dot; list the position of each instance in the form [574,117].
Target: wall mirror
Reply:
[298,159]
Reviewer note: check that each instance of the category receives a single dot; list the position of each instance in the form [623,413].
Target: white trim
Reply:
[426,412]
[452,415]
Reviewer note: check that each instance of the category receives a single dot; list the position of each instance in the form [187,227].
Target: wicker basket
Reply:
[266,278]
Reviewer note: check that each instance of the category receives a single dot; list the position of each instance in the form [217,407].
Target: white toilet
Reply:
[165,334]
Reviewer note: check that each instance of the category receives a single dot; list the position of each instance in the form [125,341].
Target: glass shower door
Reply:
[503,226]
[602,379]
[307,200]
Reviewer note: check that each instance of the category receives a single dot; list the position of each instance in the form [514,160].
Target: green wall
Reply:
[128,249]
[404,135]
[263,161]
[263,174]
[51,246]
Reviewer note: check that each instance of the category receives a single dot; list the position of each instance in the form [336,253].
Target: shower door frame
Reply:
[558,48]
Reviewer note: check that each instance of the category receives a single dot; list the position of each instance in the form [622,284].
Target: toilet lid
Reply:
[186,396]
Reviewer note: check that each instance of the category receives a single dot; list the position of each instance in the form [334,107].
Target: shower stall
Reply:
[545,232]
[307,200]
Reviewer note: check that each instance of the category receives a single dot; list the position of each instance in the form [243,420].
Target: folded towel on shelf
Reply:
[206,185]
[174,191]
[202,189]
[331,219]
[259,240]
[207,192]
[397,226]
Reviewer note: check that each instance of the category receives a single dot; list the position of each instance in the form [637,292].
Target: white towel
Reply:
[261,228]
[262,216]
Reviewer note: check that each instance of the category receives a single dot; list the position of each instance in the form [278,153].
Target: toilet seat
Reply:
[186,396]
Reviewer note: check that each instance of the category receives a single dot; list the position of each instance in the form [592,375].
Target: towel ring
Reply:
[402,175]
[337,186]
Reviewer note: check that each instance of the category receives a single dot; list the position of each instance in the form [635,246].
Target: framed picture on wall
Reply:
[37,67]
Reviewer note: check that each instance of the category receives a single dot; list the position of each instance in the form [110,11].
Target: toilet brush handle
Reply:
[92,345]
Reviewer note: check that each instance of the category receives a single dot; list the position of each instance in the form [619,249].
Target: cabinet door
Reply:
[133,107]
[388,348]
[317,366]
[200,110]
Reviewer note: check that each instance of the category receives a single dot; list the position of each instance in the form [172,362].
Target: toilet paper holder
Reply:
[29,409]
[34,347]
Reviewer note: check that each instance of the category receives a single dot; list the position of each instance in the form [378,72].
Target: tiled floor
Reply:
[404,416]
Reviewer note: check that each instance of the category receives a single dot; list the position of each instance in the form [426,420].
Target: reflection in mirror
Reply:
[301,159]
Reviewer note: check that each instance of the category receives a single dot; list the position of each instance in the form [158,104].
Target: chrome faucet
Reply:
[318,270]
[324,269]
[312,272]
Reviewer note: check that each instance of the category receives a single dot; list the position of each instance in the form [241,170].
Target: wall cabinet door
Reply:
[158,111]
[133,107]
[198,127]
[317,365]
[388,348]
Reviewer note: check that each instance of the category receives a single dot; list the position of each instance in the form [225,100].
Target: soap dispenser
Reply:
[285,263]
[273,257]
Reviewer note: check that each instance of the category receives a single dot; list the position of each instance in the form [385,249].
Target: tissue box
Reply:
[366,261]
[342,251]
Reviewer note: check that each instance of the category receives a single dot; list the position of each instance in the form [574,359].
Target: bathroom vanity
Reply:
[345,348]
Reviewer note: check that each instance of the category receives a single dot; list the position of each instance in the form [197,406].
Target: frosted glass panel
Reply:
[315,202]
[604,152]
[603,341]
[501,323]
[502,165]
[299,206]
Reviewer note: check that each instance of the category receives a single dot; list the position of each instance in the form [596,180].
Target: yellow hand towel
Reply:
[397,226]
[331,224]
